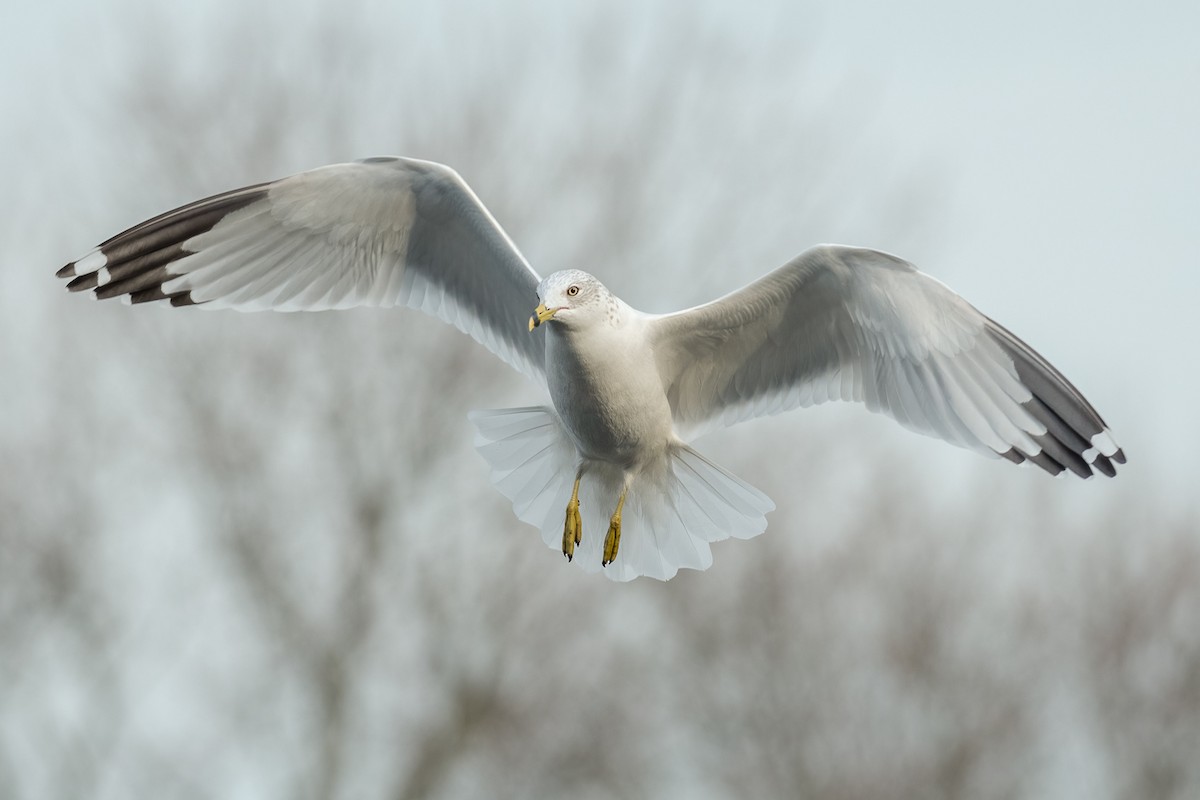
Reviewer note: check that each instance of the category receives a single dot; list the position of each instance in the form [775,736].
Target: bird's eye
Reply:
[572,291]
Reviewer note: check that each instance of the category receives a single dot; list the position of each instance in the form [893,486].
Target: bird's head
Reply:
[571,297]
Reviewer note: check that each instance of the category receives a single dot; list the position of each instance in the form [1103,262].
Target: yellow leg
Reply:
[573,527]
[613,540]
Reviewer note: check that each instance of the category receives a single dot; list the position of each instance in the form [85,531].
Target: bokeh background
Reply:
[254,556]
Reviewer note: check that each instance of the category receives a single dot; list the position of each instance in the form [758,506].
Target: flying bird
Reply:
[605,472]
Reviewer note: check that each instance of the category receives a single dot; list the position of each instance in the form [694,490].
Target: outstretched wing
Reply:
[378,232]
[843,323]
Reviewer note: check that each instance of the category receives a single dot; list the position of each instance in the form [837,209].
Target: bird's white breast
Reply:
[605,384]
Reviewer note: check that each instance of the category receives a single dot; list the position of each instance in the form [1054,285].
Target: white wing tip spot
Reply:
[91,262]
[1104,443]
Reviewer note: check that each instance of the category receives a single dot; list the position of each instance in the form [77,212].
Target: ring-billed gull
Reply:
[628,389]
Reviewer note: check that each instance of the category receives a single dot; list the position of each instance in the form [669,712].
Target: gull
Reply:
[628,389]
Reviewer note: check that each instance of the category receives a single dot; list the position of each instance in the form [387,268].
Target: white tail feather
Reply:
[672,512]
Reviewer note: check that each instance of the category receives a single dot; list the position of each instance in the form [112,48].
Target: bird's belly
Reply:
[614,412]
[617,429]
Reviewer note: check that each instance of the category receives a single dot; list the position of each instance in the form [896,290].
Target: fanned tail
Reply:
[674,509]
[679,510]
[533,463]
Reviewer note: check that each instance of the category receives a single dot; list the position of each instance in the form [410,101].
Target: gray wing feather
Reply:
[842,323]
[378,232]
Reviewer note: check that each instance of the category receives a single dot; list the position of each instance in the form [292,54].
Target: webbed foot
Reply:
[573,527]
[612,540]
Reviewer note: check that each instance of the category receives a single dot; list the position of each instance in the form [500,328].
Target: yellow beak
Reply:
[541,314]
